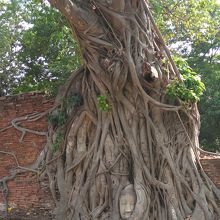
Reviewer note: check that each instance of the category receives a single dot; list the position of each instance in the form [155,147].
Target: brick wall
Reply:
[25,192]
[212,168]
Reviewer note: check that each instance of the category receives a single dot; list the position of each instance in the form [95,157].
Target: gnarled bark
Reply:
[138,159]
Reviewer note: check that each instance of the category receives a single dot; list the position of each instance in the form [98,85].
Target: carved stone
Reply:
[127,201]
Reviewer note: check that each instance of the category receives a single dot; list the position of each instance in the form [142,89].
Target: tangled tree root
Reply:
[118,148]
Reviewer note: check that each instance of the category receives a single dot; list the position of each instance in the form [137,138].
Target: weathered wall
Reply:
[25,192]
[211,166]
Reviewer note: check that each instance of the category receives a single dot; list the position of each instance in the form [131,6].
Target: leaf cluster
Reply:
[103,104]
[73,101]
[59,118]
[190,89]
[58,140]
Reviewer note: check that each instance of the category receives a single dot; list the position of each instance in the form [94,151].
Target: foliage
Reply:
[185,22]
[58,140]
[103,103]
[208,65]
[191,87]
[43,50]
[12,23]
[49,66]
[73,101]
[59,118]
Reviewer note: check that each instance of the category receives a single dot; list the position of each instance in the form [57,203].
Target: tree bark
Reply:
[133,155]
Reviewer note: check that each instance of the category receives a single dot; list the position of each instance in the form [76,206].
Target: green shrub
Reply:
[190,89]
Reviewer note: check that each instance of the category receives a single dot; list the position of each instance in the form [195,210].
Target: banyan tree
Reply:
[119,147]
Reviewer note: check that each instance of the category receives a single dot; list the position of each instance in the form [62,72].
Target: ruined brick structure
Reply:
[211,165]
[25,192]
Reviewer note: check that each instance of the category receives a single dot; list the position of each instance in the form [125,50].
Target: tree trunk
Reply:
[127,151]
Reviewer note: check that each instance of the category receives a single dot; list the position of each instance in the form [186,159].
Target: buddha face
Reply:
[127,201]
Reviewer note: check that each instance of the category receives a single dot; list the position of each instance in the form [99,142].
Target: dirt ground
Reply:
[40,214]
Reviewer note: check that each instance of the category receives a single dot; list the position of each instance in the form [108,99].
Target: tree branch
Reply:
[80,15]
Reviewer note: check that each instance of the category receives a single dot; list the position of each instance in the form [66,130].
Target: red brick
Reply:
[24,190]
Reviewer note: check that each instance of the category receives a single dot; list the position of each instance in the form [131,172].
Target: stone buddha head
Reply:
[127,201]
